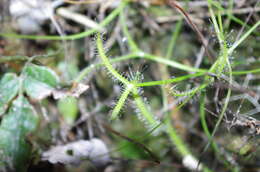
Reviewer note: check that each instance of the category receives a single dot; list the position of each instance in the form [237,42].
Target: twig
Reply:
[247,19]
[79,18]
[172,3]
[199,56]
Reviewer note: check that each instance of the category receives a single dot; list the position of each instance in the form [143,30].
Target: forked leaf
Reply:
[15,126]
[40,81]
[9,86]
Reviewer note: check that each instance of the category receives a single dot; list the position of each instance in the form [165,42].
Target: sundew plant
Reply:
[195,106]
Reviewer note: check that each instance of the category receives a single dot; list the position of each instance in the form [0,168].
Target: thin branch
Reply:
[173,4]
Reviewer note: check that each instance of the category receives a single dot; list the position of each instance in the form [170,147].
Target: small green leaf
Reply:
[15,126]
[39,81]
[9,86]
[68,109]
[37,90]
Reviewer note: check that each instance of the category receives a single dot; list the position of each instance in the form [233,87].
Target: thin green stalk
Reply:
[171,63]
[176,139]
[237,43]
[204,122]
[245,72]
[220,24]
[134,48]
[214,20]
[219,120]
[207,132]
[175,35]
[229,13]
[180,145]
[169,81]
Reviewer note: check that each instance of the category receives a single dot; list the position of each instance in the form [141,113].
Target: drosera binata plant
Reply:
[221,66]
[218,68]
[132,87]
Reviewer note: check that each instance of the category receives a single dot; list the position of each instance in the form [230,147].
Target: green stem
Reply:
[245,72]
[171,63]
[169,81]
[173,40]
[237,43]
[204,122]
[180,145]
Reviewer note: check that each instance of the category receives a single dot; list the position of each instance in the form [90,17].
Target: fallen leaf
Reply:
[74,153]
